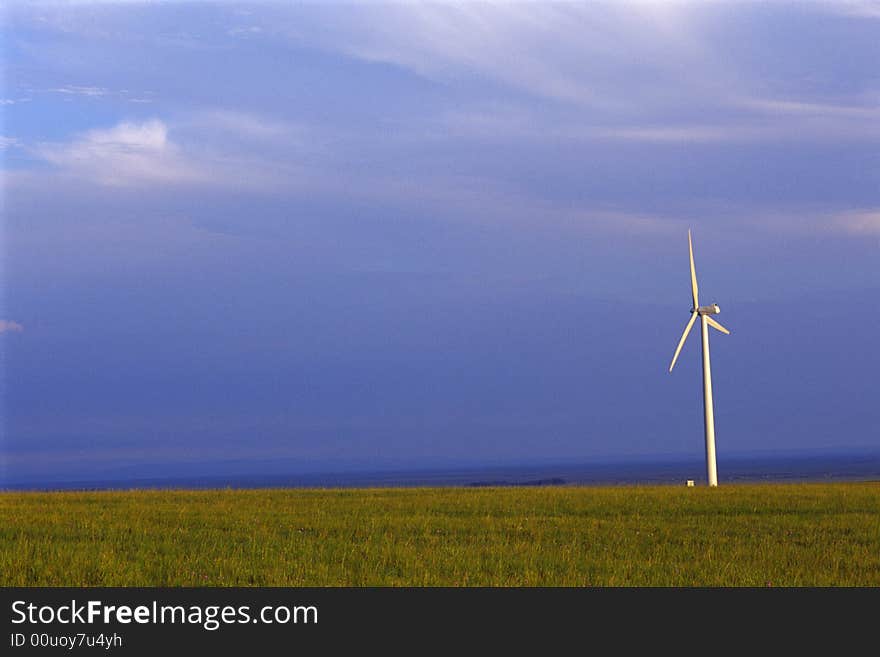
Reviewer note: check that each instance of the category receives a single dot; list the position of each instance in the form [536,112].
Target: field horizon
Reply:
[756,534]
[824,465]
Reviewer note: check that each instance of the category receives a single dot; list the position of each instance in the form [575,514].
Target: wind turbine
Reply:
[705,314]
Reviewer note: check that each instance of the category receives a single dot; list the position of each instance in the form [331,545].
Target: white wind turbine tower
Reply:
[705,314]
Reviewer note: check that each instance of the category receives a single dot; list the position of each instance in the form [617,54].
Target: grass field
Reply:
[735,535]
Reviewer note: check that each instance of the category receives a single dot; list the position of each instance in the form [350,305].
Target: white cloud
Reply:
[811,220]
[7,325]
[855,8]
[216,149]
[859,222]
[126,154]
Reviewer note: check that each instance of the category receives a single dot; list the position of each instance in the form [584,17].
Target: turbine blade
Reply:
[715,324]
[693,271]
[687,329]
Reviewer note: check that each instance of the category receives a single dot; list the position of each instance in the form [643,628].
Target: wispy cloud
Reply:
[785,127]
[567,52]
[481,201]
[759,121]
[75,3]
[248,31]
[9,326]
[509,123]
[792,118]
[71,91]
[647,71]
[244,125]
[8,142]
[74,90]
[786,107]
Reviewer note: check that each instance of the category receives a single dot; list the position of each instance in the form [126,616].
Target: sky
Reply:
[299,237]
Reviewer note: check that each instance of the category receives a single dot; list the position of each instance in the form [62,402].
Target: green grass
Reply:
[735,535]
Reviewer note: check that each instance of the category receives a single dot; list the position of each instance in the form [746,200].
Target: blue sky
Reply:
[296,237]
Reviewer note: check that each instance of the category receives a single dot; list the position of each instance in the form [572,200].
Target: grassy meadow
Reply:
[735,535]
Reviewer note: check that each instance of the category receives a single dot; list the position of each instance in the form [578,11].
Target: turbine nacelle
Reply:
[708,310]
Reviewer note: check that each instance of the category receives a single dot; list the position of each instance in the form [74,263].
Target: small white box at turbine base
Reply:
[690,483]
